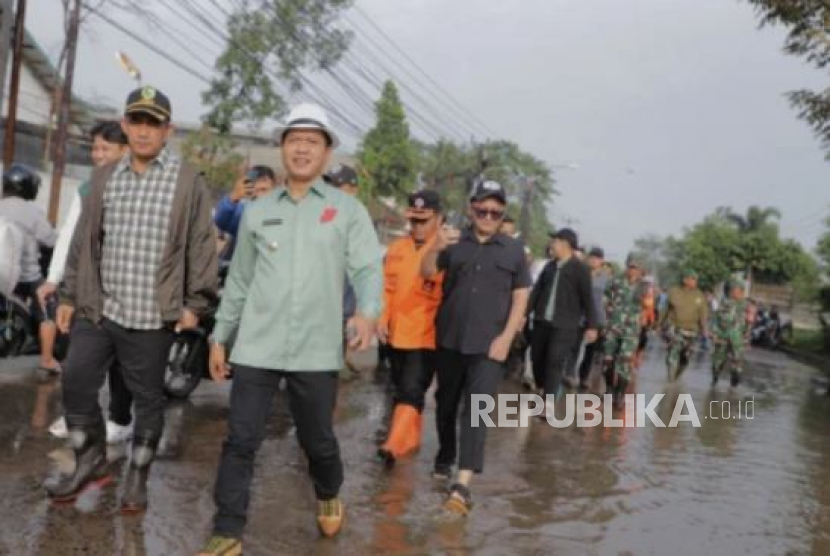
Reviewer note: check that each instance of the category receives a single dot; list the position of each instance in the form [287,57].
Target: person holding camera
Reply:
[255,183]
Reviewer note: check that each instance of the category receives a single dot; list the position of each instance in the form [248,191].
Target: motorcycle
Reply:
[768,330]
[18,327]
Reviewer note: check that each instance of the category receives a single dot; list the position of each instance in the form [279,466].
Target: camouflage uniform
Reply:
[729,331]
[623,302]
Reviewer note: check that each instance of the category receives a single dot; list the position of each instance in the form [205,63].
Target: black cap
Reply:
[149,100]
[567,235]
[259,171]
[597,252]
[425,200]
[340,175]
[490,190]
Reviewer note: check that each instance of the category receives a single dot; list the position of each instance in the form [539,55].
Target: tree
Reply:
[270,42]
[726,242]
[447,168]
[708,248]
[213,155]
[657,251]
[387,155]
[809,37]
[758,242]
[823,248]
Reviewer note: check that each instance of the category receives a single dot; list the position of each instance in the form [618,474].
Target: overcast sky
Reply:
[669,108]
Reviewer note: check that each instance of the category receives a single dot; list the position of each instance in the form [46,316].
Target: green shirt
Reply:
[284,291]
[688,309]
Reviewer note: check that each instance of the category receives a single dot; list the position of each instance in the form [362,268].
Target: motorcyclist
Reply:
[20,188]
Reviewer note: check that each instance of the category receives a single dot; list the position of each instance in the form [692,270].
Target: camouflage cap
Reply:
[690,273]
[737,283]
[635,259]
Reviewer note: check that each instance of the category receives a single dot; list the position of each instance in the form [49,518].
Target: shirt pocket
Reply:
[270,240]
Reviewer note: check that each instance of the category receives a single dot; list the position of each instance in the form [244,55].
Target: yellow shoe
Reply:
[222,546]
[330,516]
[459,501]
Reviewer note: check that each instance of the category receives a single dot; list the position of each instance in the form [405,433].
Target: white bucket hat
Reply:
[307,116]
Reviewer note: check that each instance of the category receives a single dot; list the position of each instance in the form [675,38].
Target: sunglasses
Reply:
[492,214]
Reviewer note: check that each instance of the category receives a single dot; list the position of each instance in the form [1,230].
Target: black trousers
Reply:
[550,349]
[140,355]
[312,396]
[591,352]
[573,356]
[459,377]
[121,400]
[412,372]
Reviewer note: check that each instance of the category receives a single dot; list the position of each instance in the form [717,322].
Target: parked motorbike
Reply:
[18,327]
[768,330]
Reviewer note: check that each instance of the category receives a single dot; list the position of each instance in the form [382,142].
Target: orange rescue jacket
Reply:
[410,301]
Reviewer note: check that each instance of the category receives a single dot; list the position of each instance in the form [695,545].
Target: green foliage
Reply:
[451,169]
[447,168]
[823,249]
[270,41]
[808,22]
[213,155]
[725,243]
[387,155]
[710,249]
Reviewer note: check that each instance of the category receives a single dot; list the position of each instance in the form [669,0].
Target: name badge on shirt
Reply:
[272,222]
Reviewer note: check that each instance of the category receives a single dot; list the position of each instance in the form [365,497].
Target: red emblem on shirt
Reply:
[328,215]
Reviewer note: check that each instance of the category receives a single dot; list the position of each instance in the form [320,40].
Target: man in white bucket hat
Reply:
[283,298]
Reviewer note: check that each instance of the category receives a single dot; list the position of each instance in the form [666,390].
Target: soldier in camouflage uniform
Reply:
[623,302]
[686,318]
[730,334]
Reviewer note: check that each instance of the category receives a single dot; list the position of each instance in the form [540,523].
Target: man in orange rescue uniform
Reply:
[407,324]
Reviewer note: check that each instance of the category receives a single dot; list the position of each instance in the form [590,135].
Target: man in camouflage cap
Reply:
[730,329]
[685,319]
[623,300]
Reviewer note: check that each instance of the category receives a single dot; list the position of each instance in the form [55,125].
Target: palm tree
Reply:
[755,220]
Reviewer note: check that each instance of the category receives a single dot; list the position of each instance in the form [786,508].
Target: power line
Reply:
[322,98]
[175,8]
[432,81]
[150,46]
[356,94]
[450,118]
[327,101]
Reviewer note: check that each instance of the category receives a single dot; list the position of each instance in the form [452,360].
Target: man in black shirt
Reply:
[560,303]
[485,291]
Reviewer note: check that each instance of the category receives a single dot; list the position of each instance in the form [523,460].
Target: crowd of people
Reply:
[137,261]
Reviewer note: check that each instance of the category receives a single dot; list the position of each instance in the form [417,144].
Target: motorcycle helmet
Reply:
[21,181]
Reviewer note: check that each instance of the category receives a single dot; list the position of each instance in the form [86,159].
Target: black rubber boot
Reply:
[134,498]
[735,380]
[90,447]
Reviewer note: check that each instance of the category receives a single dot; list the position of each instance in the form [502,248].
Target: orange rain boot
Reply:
[413,439]
[399,440]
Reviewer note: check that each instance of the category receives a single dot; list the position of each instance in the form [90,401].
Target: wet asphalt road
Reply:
[732,486]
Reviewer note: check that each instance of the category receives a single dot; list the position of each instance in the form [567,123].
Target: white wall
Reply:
[33,101]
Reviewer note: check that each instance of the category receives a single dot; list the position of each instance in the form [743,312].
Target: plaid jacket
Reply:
[187,271]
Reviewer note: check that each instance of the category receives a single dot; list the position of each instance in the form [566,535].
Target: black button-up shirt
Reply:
[478,291]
